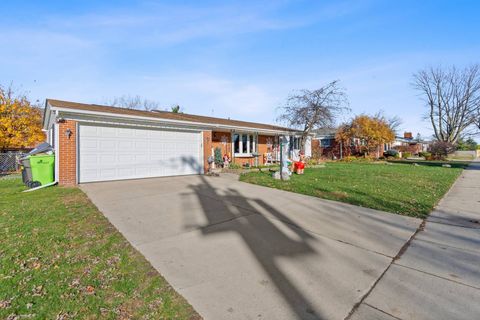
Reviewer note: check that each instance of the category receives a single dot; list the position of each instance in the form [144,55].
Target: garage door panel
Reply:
[126,145]
[113,153]
[140,133]
[126,172]
[140,145]
[124,132]
[126,159]
[88,143]
[103,159]
[107,173]
[109,132]
[90,132]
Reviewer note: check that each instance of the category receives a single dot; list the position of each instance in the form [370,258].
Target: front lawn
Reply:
[61,259]
[399,188]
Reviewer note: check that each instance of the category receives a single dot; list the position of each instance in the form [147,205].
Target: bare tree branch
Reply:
[308,110]
[453,100]
[134,102]
[393,123]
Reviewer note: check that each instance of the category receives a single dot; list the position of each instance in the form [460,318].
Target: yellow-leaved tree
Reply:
[20,121]
[373,131]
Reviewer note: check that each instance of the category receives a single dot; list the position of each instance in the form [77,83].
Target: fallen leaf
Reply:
[5,304]
[90,290]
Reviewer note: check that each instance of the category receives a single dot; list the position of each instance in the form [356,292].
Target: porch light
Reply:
[68,133]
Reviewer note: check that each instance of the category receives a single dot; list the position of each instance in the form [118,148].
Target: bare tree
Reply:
[134,102]
[308,110]
[453,99]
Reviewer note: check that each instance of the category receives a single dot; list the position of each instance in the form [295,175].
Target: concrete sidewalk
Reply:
[438,276]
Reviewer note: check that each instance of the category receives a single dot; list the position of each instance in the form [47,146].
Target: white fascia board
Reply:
[70,113]
[47,117]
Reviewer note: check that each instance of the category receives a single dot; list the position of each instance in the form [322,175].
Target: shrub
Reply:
[217,154]
[349,159]
[313,162]
[391,154]
[234,166]
[426,155]
[440,149]
[406,155]
[466,145]
[369,157]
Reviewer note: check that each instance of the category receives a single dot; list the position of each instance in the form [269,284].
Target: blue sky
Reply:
[235,59]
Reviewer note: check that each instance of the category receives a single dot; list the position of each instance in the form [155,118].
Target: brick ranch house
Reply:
[100,143]
[324,145]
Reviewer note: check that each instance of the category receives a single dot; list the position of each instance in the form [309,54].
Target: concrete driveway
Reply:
[240,251]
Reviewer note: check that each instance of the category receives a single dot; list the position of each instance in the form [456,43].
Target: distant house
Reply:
[324,145]
[407,143]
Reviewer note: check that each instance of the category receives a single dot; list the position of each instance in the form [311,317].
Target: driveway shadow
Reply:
[264,239]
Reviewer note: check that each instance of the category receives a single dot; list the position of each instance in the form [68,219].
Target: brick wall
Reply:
[68,154]
[207,148]
[217,142]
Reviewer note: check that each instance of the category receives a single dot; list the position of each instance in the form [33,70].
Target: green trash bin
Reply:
[43,168]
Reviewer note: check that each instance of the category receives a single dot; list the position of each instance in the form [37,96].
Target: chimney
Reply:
[407,135]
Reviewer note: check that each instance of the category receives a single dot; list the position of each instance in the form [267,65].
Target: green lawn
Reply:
[61,259]
[399,188]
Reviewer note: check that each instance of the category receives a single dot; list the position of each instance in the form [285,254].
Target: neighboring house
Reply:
[100,143]
[324,145]
[408,144]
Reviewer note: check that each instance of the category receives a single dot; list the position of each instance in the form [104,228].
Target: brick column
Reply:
[207,149]
[67,175]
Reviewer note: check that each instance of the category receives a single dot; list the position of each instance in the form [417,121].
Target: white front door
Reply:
[115,153]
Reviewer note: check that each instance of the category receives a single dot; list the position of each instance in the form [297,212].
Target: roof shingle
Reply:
[162,115]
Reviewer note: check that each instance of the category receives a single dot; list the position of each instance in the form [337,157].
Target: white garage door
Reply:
[114,153]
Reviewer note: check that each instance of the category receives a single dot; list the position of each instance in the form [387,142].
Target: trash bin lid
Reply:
[42,147]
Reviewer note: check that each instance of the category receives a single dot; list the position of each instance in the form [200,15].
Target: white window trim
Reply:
[240,145]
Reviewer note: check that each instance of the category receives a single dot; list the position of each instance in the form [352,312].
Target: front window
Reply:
[244,144]
[295,141]
[236,143]
[326,143]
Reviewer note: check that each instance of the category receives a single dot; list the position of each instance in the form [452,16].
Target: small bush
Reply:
[218,157]
[391,154]
[313,162]
[234,166]
[369,157]
[426,155]
[441,149]
[406,155]
[349,159]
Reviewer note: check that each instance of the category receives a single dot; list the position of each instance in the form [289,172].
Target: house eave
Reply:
[85,115]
